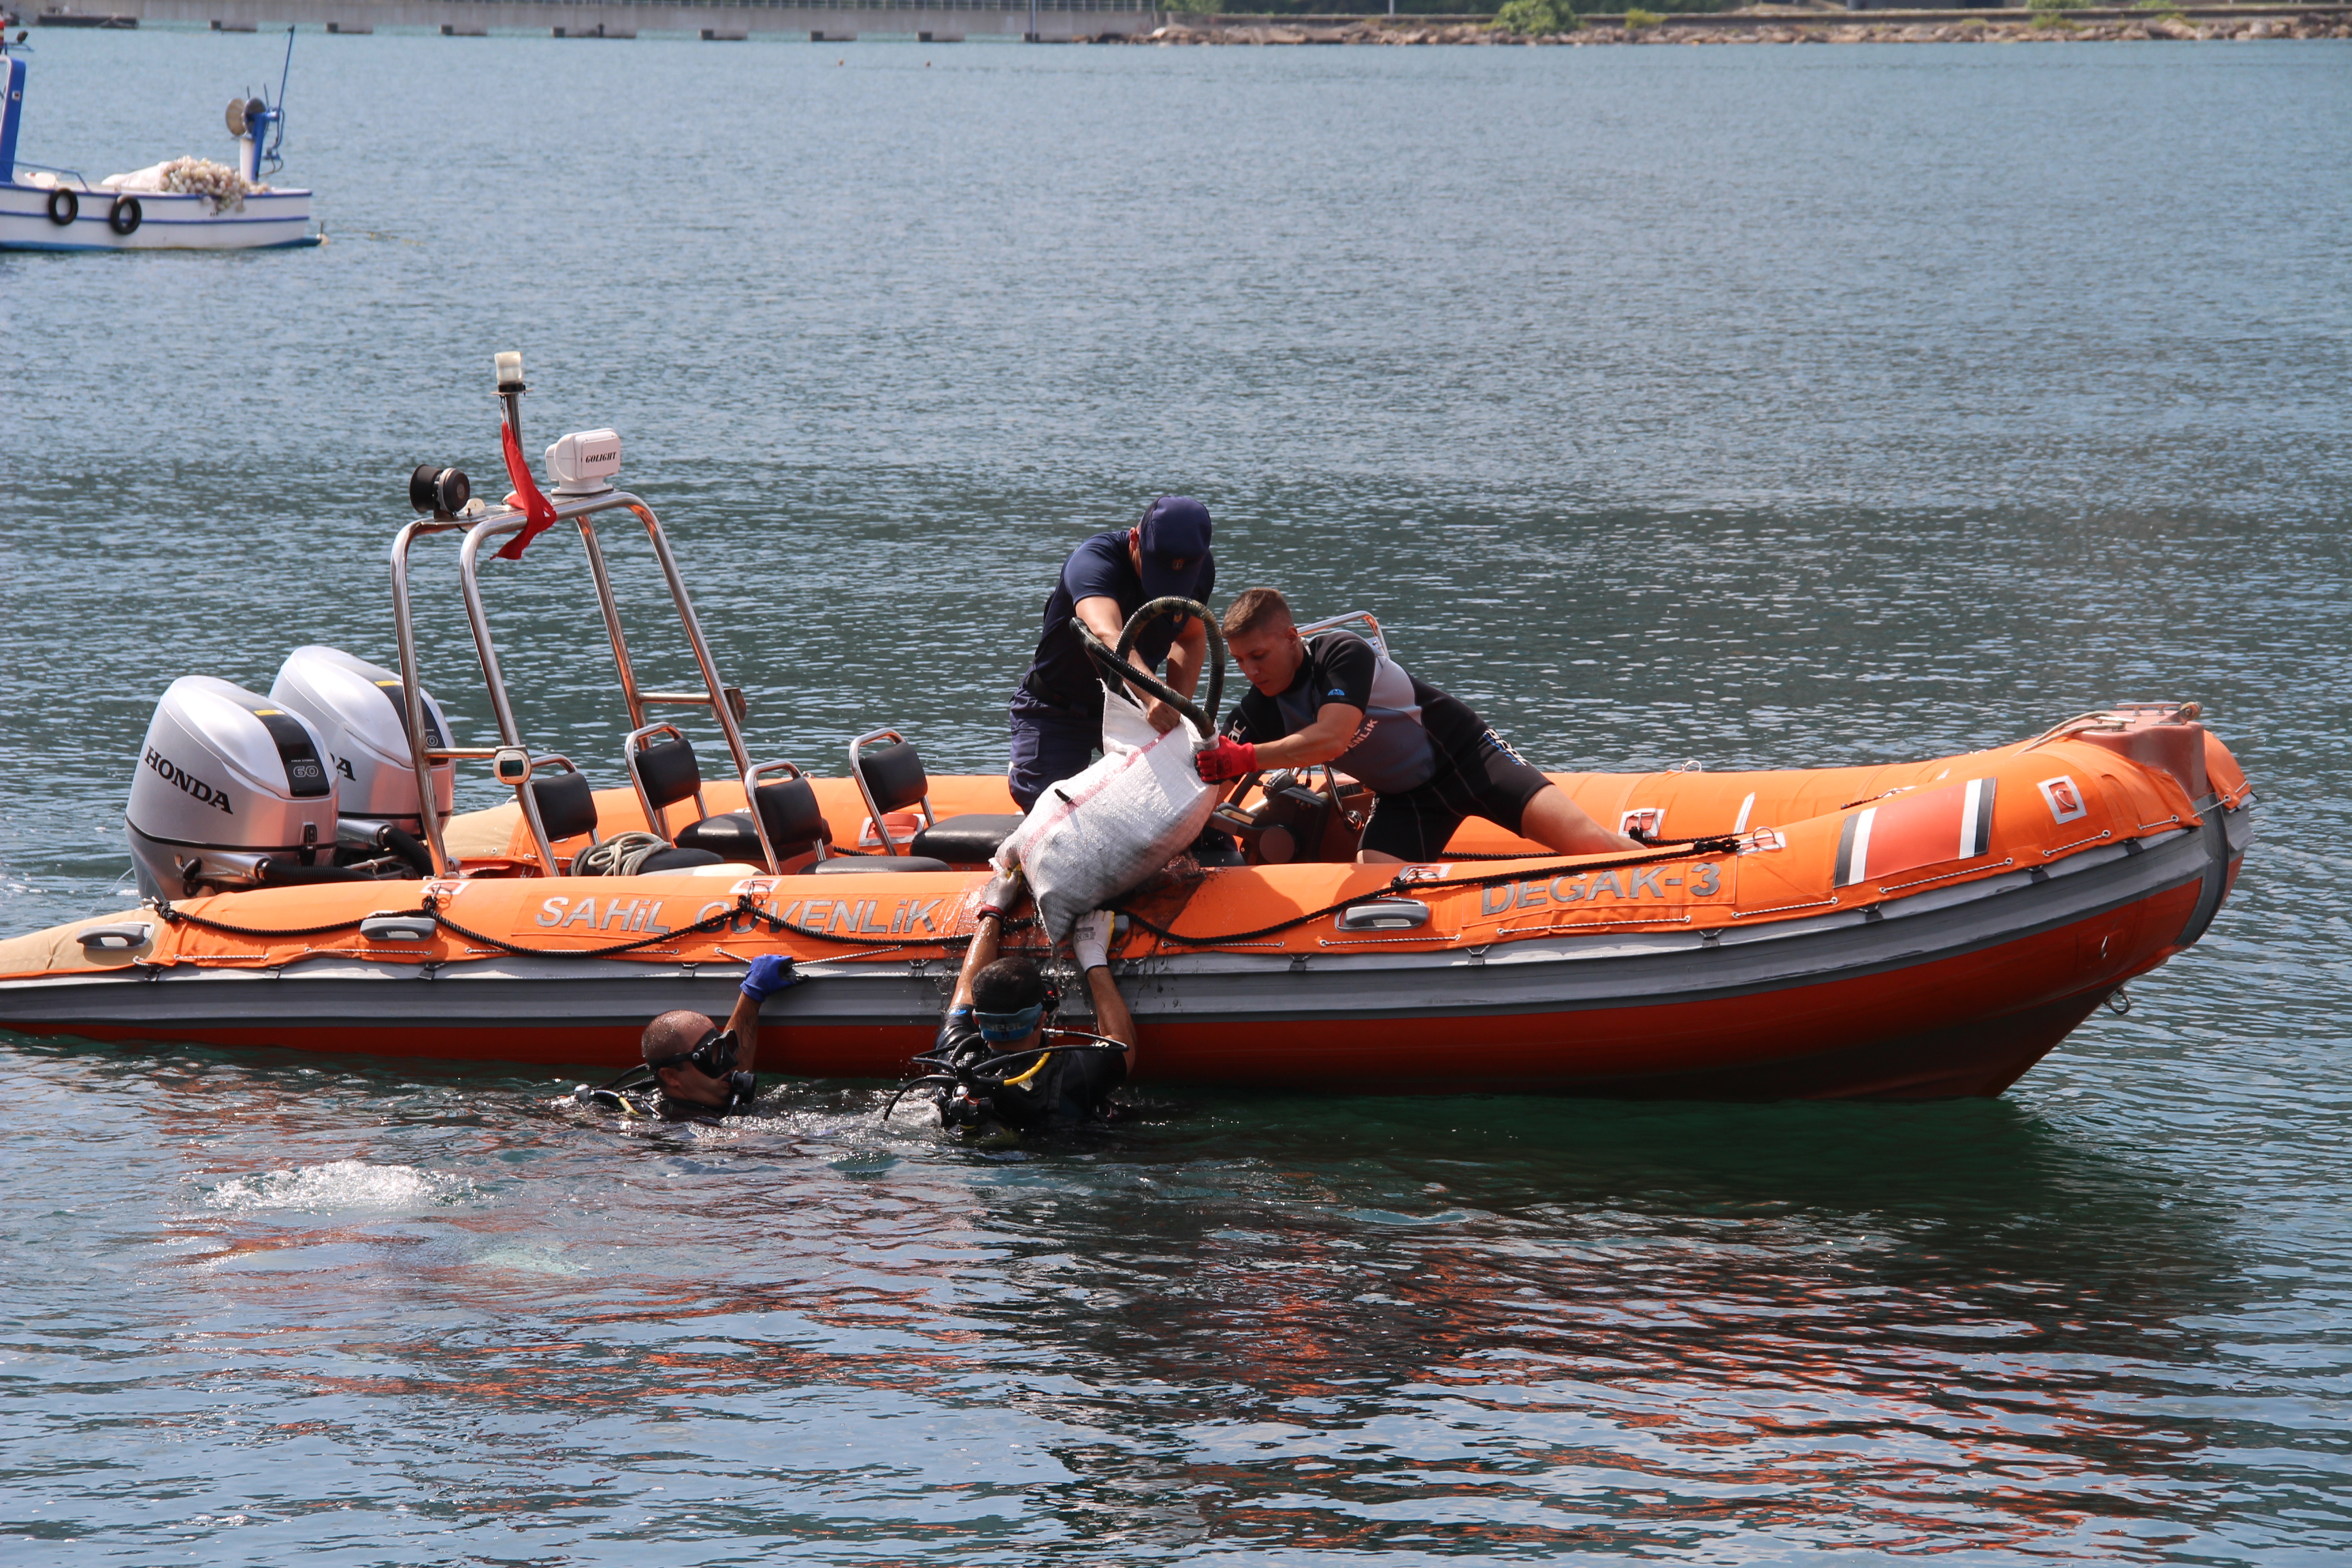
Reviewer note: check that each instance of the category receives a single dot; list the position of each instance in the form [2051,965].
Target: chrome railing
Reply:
[723,701]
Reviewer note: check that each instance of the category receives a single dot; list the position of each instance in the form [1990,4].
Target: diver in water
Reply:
[693,1070]
[1056,712]
[998,1062]
[1432,762]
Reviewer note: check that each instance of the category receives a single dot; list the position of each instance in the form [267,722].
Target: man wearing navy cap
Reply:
[1056,712]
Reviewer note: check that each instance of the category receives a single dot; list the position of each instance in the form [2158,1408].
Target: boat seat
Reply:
[679,859]
[869,864]
[969,839]
[567,805]
[662,766]
[892,778]
[789,808]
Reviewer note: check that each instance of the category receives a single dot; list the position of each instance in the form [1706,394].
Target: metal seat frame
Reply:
[873,810]
[658,817]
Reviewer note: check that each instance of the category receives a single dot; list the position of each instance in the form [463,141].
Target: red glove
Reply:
[1228,759]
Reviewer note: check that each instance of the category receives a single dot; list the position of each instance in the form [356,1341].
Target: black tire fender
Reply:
[64,207]
[124,216]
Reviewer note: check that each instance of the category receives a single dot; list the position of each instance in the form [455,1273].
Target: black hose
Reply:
[407,846]
[288,874]
[1114,665]
[916,1083]
[1173,606]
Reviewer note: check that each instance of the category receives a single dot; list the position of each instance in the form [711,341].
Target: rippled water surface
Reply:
[1753,407]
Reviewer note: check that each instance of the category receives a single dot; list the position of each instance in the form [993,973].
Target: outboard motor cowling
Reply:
[361,713]
[228,780]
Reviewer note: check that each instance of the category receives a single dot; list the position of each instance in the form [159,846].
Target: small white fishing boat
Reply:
[182,203]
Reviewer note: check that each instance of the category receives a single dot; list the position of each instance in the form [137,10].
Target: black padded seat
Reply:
[857,865]
[730,835]
[567,805]
[679,859]
[668,772]
[967,840]
[895,776]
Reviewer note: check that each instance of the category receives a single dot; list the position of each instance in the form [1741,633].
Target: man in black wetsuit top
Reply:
[995,1024]
[694,1070]
[1430,758]
[1057,711]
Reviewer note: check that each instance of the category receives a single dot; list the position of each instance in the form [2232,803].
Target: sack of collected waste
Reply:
[1096,837]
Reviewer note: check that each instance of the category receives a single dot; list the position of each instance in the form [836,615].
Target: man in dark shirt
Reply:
[1432,762]
[994,1037]
[693,1070]
[1057,711]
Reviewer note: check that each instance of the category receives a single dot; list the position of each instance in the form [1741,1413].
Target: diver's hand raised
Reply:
[770,973]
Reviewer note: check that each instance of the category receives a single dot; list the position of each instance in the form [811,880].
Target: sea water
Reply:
[1744,407]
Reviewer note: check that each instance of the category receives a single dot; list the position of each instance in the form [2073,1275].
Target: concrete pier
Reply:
[939,21]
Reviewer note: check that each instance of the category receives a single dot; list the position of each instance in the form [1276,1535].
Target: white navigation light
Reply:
[584,462]
[510,366]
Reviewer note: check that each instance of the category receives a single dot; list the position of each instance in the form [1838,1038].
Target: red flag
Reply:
[534,505]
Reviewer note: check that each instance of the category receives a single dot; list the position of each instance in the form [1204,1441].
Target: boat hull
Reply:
[1950,991]
[274,220]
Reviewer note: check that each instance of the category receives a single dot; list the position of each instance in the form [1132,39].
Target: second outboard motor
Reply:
[232,791]
[360,711]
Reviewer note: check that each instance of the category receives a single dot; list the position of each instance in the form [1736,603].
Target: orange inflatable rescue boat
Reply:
[1912,930]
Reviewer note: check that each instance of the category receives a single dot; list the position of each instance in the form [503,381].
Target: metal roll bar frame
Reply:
[1363,623]
[725,702]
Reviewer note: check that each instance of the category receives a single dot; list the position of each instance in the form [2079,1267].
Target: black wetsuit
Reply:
[1430,758]
[647,1101]
[1057,1091]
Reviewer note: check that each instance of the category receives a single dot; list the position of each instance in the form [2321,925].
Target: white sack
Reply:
[150,178]
[1092,839]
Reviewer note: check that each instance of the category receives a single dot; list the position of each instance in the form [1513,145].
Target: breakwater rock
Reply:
[1735,27]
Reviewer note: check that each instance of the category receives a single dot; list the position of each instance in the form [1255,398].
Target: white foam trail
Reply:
[343,1184]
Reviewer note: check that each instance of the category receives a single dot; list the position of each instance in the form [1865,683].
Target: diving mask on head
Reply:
[713,1056]
[1008,1029]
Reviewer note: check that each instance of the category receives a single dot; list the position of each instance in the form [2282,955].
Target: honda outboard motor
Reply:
[232,791]
[361,713]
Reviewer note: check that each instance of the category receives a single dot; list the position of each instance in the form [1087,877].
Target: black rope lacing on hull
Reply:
[746,906]
[712,924]
[1669,849]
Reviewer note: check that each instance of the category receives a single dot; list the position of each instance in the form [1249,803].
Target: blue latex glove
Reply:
[770,973]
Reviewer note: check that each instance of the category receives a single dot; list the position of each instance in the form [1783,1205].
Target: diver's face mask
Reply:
[1008,1029]
[713,1056]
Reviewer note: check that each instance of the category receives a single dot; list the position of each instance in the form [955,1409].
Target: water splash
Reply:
[342,1186]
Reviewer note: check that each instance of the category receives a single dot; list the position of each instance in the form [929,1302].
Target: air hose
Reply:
[1116,667]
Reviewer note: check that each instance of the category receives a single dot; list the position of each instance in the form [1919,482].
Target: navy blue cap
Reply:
[1175,528]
